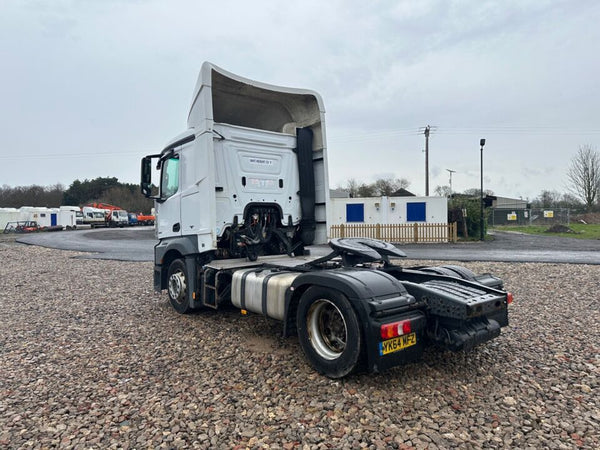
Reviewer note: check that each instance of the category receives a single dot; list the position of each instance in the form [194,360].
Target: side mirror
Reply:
[146,177]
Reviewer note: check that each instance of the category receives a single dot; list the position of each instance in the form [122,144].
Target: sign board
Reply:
[548,214]
[511,216]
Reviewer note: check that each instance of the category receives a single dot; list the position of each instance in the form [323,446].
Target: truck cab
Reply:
[119,218]
[249,176]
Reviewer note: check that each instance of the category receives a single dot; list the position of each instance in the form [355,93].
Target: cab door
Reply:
[168,209]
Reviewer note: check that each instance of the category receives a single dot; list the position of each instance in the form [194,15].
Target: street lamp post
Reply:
[427,130]
[481,236]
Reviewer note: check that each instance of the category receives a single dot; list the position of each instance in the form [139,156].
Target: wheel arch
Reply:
[168,250]
[326,280]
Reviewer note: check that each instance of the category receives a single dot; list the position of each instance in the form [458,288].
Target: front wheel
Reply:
[177,286]
[329,332]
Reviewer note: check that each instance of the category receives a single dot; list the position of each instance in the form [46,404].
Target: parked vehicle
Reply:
[118,218]
[245,190]
[22,226]
[94,216]
[133,220]
[112,216]
[145,219]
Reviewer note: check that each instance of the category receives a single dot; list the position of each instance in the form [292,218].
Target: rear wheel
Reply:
[177,286]
[329,332]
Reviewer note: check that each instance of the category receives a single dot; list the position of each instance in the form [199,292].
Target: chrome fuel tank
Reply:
[262,291]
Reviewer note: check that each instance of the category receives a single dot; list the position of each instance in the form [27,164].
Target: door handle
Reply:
[176,227]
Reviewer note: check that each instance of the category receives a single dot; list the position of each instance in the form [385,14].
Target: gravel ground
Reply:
[92,358]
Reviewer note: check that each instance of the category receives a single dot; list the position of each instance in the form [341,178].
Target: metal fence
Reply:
[529,216]
[397,233]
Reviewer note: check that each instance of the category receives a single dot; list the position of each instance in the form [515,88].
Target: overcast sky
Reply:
[88,87]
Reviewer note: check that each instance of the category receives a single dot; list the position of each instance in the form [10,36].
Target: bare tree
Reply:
[547,199]
[568,200]
[381,186]
[49,196]
[366,190]
[443,191]
[584,175]
[387,186]
[352,186]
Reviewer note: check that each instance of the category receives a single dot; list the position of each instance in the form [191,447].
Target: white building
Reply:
[45,217]
[8,215]
[388,210]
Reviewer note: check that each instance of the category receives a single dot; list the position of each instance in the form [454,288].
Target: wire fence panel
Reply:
[529,216]
[398,233]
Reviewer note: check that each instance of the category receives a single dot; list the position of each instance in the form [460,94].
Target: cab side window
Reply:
[169,183]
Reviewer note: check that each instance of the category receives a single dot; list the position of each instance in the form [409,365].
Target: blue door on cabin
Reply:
[53,221]
[416,212]
[355,212]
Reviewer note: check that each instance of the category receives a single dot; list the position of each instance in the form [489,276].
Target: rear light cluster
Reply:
[509,298]
[392,330]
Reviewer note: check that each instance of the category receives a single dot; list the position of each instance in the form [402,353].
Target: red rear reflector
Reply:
[394,329]
[509,298]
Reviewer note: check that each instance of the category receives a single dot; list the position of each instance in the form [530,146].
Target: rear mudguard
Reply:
[377,298]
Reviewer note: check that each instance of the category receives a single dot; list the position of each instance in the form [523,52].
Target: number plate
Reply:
[397,343]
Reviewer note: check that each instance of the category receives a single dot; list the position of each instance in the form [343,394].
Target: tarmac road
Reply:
[137,243]
[512,247]
[122,244]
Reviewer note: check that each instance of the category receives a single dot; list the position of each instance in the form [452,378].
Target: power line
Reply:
[520,130]
[366,136]
[69,155]
[514,130]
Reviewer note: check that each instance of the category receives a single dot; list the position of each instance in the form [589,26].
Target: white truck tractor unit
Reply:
[119,218]
[242,194]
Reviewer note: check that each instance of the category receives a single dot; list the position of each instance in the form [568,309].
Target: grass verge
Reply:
[580,230]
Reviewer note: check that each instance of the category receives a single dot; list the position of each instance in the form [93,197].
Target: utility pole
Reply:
[450,171]
[426,131]
[481,236]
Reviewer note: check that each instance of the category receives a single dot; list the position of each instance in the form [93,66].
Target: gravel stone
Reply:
[91,357]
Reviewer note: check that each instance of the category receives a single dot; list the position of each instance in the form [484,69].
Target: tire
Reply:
[177,286]
[329,332]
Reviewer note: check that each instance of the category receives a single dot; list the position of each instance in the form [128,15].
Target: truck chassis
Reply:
[352,309]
